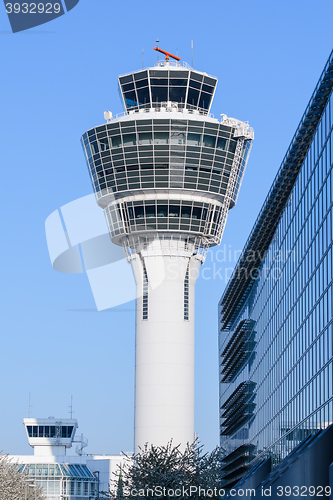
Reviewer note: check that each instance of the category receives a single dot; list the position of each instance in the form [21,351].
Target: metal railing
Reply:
[242,129]
[167,106]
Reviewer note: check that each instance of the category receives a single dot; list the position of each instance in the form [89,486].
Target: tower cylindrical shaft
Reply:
[164,377]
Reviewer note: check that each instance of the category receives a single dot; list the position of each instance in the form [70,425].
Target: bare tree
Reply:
[14,484]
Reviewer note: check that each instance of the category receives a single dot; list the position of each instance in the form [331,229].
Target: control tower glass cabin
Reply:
[166,173]
[50,436]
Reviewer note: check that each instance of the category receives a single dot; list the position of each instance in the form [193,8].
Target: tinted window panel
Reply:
[127,125]
[150,211]
[196,85]
[221,143]
[161,137]
[232,146]
[143,95]
[130,98]
[141,75]
[129,139]
[208,89]
[193,96]
[116,142]
[162,210]
[196,76]
[128,86]
[178,82]
[209,141]
[159,94]
[104,144]
[178,74]
[194,139]
[141,83]
[139,213]
[174,210]
[177,94]
[126,79]
[159,82]
[94,148]
[186,212]
[130,213]
[210,81]
[177,138]
[205,100]
[145,138]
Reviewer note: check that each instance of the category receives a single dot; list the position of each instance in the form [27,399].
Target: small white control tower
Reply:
[50,436]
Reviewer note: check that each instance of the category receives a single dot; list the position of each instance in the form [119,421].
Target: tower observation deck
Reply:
[166,173]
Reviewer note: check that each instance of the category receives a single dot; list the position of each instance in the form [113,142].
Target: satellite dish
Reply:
[108,115]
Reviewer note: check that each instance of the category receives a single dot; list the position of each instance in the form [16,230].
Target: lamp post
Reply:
[34,486]
[27,481]
[97,472]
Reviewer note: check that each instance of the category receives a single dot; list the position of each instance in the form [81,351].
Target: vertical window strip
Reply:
[186,293]
[145,293]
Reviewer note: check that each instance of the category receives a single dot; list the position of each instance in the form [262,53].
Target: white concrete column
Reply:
[164,377]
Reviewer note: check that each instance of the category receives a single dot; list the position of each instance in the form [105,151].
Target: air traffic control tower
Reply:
[166,173]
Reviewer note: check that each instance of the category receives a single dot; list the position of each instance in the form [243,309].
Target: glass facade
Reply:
[163,153]
[68,481]
[163,84]
[276,322]
[133,164]
[187,216]
[50,431]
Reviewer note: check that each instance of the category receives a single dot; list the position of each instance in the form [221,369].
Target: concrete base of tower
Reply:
[165,274]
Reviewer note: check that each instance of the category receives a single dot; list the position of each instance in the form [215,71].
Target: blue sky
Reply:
[57,80]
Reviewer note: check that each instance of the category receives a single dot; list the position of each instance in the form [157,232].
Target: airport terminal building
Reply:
[275,316]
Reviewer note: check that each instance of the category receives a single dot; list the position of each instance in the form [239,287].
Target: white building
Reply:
[166,173]
[62,476]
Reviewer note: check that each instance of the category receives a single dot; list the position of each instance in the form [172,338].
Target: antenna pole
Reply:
[30,405]
[157,42]
[71,411]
